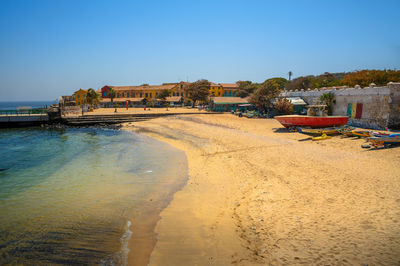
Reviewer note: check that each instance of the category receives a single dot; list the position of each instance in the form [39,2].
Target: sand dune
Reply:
[260,195]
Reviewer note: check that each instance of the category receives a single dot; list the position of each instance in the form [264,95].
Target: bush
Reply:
[283,106]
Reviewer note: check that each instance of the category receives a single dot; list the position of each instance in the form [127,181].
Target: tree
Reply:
[246,88]
[145,84]
[329,100]
[280,83]
[263,96]
[283,106]
[112,95]
[198,91]
[300,83]
[365,77]
[92,97]
[290,75]
[163,95]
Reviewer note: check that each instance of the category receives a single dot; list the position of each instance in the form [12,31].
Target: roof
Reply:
[80,91]
[107,100]
[229,85]
[215,84]
[173,98]
[229,100]
[139,88]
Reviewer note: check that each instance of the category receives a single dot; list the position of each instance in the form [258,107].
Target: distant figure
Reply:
[115,110]
[144,108]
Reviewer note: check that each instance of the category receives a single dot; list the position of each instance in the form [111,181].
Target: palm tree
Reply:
[329,100]
[290,75]
[92,97]
[112,95]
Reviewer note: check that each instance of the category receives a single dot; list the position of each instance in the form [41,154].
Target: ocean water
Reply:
[73,196]
[32,104]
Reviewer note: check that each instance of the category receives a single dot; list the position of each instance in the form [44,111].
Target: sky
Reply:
[53,48]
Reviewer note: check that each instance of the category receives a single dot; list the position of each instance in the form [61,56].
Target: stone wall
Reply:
[380,105]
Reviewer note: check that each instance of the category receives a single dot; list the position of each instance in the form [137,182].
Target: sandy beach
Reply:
[260,195]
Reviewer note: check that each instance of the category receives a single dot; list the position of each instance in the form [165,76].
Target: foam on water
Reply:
[124,243]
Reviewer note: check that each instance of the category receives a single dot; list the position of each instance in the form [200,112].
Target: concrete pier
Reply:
[23,120]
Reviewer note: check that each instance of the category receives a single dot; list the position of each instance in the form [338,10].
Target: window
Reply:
[127,94]
[173,94]
[151,95]
[141,95]
[147,95]
[78,96]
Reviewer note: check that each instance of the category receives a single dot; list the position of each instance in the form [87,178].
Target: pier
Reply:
[52,116]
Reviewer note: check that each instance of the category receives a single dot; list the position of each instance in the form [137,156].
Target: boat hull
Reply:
[311,121]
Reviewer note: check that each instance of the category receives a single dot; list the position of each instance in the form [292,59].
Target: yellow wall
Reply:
[216,91]
[80,97]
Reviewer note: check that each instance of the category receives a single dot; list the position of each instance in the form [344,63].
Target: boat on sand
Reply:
[316,118]
[392,139]
[319,131]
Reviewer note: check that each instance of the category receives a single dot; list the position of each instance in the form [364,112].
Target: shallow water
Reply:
[70,196]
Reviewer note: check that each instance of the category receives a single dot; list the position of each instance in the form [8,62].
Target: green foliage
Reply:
[278,83]
[92,97]
[198,91]
[163,94]
[246,88]
[112,94]
[365,77]
[329,100]
[283,106]
[267,91]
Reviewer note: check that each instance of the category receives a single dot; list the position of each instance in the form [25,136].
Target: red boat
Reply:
[316,118]
[311,121]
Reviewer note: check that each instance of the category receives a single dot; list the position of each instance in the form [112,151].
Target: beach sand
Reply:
[259,194]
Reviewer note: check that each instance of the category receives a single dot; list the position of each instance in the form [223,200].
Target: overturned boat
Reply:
[317,117]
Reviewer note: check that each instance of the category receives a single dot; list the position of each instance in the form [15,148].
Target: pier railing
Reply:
[39,111]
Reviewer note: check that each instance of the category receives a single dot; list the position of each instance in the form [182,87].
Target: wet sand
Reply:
[260,195]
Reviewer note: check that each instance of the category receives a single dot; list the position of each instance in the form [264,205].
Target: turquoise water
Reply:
[71,196]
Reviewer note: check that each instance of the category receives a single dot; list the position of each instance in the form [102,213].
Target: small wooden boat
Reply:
[319,131]
[311,121]
[378,134]
[316,118]
[346,131]
[392,139]
[360,133]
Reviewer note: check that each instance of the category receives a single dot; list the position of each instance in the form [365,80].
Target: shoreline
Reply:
[257,195]
[142,219]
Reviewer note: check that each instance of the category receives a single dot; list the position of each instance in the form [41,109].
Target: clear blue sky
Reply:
[52,48]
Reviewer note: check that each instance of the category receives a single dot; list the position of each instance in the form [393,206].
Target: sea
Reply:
[31,104]
[74,195]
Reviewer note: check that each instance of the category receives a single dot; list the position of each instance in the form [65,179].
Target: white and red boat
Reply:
[316,118]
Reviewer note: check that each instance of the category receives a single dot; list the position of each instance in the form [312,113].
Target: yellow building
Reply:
[216,90]
[80,97]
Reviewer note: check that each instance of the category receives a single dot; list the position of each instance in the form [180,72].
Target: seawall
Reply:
[379,107]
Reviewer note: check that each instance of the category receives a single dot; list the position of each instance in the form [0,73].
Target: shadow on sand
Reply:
[283,130]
